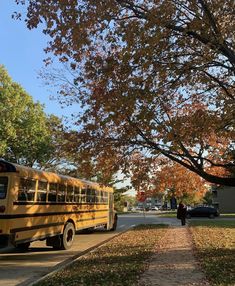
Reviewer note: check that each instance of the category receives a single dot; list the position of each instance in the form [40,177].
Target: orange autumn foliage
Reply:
[155,77]
[180,181]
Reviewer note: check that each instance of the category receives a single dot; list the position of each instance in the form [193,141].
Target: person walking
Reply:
[181,213]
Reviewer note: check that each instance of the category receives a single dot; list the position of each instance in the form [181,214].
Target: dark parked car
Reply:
[202,212]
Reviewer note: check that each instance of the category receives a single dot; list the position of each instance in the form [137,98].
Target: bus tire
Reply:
[67,237]
[23,246]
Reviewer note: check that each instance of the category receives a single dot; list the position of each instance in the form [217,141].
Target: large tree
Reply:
[155,76]
[27,135]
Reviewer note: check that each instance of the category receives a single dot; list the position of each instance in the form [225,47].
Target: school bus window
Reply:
[111,199]
[93,195]
[42,191]
[3,167]
[97,196]
[77,194]
[27,189]
[88,192]
[52,192]
[83,195]
[70,194]
[104,197]
[61,193]
[88,195]
[3,187]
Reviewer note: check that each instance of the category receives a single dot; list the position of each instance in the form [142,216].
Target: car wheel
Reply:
[188,216]
[211,216]
[68,236]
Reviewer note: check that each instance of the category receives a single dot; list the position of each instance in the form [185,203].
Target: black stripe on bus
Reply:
[56,203]
[19,229]
[87,219]
[11,216]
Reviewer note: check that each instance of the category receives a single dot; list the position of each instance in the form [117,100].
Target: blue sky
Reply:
[21,52]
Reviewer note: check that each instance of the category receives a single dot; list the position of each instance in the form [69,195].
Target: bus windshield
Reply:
[3,187]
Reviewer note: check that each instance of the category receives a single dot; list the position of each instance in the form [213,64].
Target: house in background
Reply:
[223,198]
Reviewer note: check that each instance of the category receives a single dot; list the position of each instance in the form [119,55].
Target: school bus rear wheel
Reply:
[68,236]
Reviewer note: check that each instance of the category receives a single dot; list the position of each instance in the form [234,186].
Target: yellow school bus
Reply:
[39,205]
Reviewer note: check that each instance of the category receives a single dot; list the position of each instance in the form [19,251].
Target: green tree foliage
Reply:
[27,135]
[59,157]
[153,76]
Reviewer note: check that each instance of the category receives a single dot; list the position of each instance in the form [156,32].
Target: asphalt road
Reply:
[22,268]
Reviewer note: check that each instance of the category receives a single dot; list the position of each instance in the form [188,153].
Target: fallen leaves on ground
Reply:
[215,245]
[119,262]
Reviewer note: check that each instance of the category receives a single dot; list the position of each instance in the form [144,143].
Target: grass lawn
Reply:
[232,215]
[167,214]
[118,262]
[215,247]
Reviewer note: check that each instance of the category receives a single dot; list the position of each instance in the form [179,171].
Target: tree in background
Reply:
[152,76]
[164,178]
[60,157]
[32,138]
[180,183]
[27,135]
[84,164]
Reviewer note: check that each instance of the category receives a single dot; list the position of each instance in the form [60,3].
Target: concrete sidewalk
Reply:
[174,263]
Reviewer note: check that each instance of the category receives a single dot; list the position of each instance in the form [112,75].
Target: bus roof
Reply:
[24,171]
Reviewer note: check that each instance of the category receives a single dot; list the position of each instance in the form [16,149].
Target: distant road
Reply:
[21,268]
